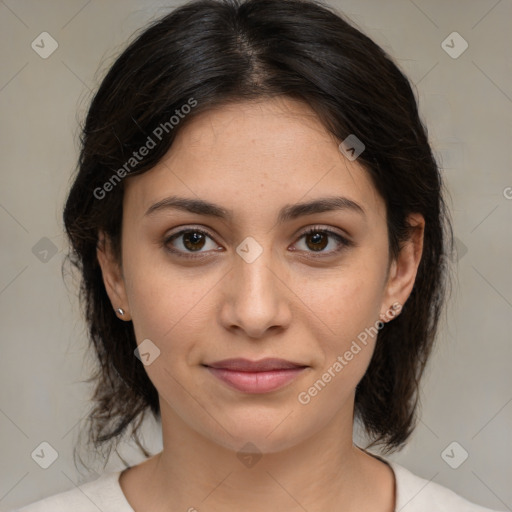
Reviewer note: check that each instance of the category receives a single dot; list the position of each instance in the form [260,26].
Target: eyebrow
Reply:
[287,213]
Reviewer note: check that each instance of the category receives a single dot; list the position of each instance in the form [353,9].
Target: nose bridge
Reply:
[256,284]
[257,275]
[257,299]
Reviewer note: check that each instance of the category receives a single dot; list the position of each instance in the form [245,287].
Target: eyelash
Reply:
[344,242]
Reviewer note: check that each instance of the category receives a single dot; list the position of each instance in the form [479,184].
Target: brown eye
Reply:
[193,240]
[316,240]
[189,241]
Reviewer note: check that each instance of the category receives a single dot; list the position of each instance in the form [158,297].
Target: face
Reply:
[253,283]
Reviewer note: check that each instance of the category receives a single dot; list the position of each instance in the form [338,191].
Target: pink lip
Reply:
[255,376]
[256,382]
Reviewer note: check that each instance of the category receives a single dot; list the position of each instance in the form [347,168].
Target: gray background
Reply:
[467,105]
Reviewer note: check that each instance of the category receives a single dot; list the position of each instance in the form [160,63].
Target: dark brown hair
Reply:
[216,52]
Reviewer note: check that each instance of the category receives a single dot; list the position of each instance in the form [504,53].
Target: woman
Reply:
[260,227]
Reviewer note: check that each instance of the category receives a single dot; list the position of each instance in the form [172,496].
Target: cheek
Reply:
[350,310]
[167,304]
[348,302]
[347,310]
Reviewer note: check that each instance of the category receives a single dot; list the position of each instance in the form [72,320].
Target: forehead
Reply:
[252,157]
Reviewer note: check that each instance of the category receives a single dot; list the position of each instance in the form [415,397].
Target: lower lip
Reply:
[256,382]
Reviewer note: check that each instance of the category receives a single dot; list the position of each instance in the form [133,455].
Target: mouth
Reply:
[253,377]
[263,365]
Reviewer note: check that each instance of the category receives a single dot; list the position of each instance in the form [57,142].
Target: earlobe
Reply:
[112,276]
[404,269]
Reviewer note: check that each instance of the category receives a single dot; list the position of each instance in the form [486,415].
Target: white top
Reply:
[413,494]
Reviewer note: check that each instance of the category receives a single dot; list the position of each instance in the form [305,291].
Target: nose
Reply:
[256,299]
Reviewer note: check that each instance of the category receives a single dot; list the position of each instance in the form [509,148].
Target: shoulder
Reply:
[104,494]
[416,494]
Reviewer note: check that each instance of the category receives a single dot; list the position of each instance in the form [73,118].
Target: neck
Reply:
[194,473]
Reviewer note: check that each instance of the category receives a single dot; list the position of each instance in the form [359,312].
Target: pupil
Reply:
[191,238]
[317,238]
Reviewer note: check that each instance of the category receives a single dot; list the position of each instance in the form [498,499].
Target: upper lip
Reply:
[263,365]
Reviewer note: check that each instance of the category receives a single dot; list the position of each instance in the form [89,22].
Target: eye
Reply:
[190,241]
[316,239]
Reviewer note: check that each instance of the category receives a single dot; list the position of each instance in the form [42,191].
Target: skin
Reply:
[254,158]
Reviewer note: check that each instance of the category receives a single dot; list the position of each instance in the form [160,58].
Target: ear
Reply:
[112,276]
[403,270]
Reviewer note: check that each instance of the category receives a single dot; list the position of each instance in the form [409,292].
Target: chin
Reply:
[250,435]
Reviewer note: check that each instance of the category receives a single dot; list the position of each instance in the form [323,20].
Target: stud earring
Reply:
[392,312]
[120,311]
